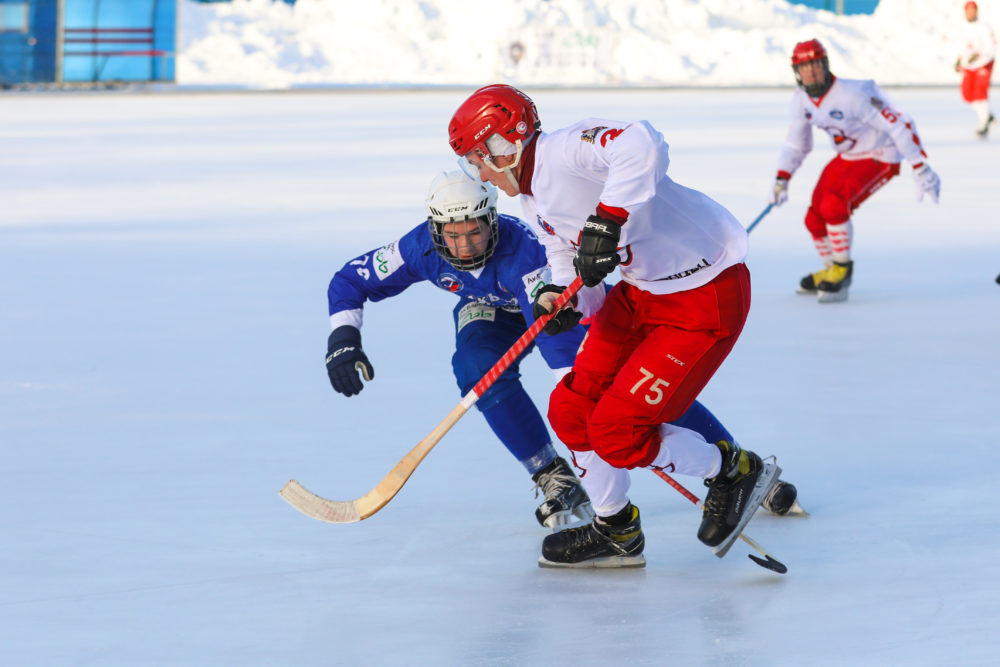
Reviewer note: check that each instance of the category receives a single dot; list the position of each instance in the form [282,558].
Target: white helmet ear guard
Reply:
[455,197]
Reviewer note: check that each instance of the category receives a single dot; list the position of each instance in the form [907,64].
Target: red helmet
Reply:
[809,52]
[494,109]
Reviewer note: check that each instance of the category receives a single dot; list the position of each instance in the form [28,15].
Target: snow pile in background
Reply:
[262,43]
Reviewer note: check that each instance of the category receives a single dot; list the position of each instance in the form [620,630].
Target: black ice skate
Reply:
[783,500]
[564,495]
[734,495]
[984,131]
[596,544]
[835,282]
[808,284]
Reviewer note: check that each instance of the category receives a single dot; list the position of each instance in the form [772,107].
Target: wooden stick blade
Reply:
[330,511]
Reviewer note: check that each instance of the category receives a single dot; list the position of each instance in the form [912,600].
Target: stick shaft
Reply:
[759,217]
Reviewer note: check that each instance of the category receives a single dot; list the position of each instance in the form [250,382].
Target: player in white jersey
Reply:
[599,192]
[871,137]
[979,46]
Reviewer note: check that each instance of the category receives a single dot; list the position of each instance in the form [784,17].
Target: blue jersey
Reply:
[508,281]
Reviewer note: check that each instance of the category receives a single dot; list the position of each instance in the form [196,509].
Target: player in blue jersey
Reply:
[496,267]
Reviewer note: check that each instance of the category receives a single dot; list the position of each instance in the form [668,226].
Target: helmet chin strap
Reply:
[510,177]
[509,168]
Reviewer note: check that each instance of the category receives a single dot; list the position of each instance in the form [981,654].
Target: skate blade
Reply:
[833,297]
[607,563]
[795,511]
[768,478]
[578,516]
[809,292]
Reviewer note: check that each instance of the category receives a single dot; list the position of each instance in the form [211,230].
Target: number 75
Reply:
[654,392]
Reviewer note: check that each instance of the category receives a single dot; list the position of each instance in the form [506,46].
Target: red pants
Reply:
[841,188]
[976,83]
[645,359]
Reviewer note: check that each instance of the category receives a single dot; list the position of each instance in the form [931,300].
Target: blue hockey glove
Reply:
[565,319]
[597,255]
[344,358]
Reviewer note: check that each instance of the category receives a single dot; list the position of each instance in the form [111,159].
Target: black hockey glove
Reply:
[565,319]
[597,255]
[344,358]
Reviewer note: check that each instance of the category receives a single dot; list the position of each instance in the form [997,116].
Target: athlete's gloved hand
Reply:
[928,182]
[344,358]
[597,255]
[779,193]
[565,319]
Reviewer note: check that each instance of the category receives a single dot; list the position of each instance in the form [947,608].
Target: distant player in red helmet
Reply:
[871,137]
[599,193]
[979,46]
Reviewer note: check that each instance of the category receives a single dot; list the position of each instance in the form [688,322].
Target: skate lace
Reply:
[588,535]
[718,498]
[553,483]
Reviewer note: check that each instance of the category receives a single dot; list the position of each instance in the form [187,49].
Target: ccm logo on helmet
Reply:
[482,131]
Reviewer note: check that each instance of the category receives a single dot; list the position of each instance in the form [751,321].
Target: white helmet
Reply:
[454,197]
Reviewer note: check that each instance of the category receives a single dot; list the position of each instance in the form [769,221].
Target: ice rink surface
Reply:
[163,266]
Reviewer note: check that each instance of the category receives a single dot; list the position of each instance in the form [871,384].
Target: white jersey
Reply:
[860,120]
[979,46]
[675,238]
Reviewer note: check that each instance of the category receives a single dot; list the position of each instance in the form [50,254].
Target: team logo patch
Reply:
[535,280]
[546,226]
[449,282]
[590,135]
[386,260]
[521,127]
[841,141]
[474,312]
[809,115]
[837,114]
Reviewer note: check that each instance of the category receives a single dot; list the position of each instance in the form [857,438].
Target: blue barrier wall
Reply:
[28,32]
[95,40]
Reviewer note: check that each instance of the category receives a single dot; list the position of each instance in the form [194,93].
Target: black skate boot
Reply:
[616,541]
[808,284]
[564,495]
[734,495]
[835,282]
[984,131]
[781,498]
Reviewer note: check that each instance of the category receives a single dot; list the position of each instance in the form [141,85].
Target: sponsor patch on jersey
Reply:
[546,226]
[535,280]
[837,114]
[703,264]
[475,312]
[449,282]
[386,260]
[588,136]
[877,103]
[809,114]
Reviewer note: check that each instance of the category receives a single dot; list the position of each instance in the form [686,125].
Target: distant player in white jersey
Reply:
[979,46]
[871,137]
[600,195]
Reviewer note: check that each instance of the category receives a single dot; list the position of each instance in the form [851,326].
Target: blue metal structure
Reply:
[849,6]
[81,41]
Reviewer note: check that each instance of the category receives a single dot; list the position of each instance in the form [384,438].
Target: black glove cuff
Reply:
[603,227]
[345,334]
